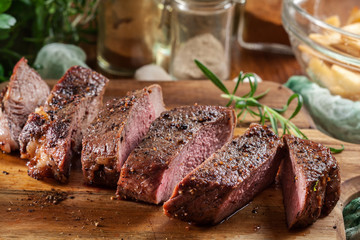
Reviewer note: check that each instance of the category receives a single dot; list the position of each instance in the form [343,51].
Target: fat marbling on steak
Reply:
[116,131]
[54,131]
[310,180]
[227,180]
[177,141]
[25,91]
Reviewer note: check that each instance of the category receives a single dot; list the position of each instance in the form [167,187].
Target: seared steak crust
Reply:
[228,180]
[25,91]
[310,181]
[332,192]
[116,131]
[53,132]
[178,141]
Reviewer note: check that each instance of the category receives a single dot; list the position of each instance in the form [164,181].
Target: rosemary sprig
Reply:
[248,102]
[337,150]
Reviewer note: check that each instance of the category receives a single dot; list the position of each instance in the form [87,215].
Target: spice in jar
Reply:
[200,30]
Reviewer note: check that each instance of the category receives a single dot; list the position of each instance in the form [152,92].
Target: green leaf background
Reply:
[28,25]
[5,5]
[6,21]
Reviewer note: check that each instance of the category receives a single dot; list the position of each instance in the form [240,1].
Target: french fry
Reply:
[354,16]
[322,69]
[334,21]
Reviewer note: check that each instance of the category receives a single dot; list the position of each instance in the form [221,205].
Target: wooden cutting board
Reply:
[31,209]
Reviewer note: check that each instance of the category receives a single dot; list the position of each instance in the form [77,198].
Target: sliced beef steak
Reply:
[227,180]
[53,132]
[178,141]
[310,181]
[25,91]
[116,131]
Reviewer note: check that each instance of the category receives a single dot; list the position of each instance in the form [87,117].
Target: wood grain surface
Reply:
[31,209]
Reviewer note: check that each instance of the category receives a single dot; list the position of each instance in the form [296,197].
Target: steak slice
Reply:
[53,133]
[178,141]
[25,91]
[229,179]
[310,181]
[116,131]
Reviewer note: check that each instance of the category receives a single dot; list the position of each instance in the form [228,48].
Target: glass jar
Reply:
[200,29]
[127,34]
[260,26]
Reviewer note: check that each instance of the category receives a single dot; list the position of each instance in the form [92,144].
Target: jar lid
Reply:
[215,4]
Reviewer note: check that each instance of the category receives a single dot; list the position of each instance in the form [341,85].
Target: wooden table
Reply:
[31,209]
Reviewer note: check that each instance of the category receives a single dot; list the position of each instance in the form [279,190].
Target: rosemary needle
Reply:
[337,150]
[249,104]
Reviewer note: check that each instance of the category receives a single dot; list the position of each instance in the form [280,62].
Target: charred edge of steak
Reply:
[50,145]
[25,91]
[52,151]
[332,193]
[100,145]
[72,88]
[46,166]
[142,173]
[227,180]
[207,140]
[310,181]
[117,130]
[36,126]
[104,175]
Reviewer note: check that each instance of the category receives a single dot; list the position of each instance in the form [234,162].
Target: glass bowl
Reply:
[325,37]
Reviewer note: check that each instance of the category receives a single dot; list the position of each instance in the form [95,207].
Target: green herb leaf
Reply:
[253,84]
[212,77]
[39,22]
[315,186]
[6,21]
[272,119]
[337,150]
[299,104]
[261,95]
[235,89]
[5,5]
[249,103]
[237,83]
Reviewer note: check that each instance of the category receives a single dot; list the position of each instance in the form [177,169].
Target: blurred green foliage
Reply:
[351,215]
[27,25]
